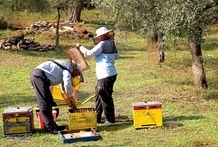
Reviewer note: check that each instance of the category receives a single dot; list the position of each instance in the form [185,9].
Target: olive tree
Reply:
[75,8]
[184,18]
[139,15]
[190,18]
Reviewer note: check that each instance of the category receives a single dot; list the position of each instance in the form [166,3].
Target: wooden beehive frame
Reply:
[74,54]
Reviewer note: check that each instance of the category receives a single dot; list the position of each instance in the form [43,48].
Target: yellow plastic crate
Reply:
[56,93]
[57,96]
[82,118]
[147,114]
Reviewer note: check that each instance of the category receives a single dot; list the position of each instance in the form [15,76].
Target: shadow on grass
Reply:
[178,118]
[211,93]
[173,122]
[211,96]
[16,100]
[39,130]
[210,46]
[122,122]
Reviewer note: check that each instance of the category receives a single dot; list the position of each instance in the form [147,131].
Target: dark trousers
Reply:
[104,101]
[44,97]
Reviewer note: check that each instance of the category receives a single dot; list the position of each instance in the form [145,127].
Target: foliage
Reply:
[125,14]
[30,5]
[171,17]
[188,17]
[3,23]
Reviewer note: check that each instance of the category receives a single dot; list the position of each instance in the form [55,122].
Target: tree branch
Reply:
[211,5]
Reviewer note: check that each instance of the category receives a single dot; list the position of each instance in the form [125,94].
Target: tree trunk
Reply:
[197,64]
[160,43]
[153,37]
[88,4]
[57,27]
[75,11]
[153,23]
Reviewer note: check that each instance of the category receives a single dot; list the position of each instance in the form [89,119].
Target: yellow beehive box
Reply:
[147,114]
[82,118]
[18,120]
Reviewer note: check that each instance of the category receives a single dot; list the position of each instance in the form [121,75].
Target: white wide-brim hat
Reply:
[103,30]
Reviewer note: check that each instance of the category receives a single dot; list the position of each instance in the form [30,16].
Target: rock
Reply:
[1,42]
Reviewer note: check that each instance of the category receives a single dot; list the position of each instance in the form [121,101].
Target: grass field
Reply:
[189,114]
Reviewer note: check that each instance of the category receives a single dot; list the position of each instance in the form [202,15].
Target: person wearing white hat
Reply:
[105,53]
[51,73]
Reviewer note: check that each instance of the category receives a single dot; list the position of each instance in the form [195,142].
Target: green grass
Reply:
[189,114]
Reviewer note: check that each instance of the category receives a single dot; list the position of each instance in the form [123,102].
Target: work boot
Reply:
[55,130]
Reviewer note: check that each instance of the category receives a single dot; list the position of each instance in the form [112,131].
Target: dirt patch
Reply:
[202,143]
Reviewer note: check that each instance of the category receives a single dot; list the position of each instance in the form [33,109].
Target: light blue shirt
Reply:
[105,54]
[57,75]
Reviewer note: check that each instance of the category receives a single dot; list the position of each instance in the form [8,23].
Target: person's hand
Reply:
[72,103]
[78,45]
[73,107]
[69,100]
